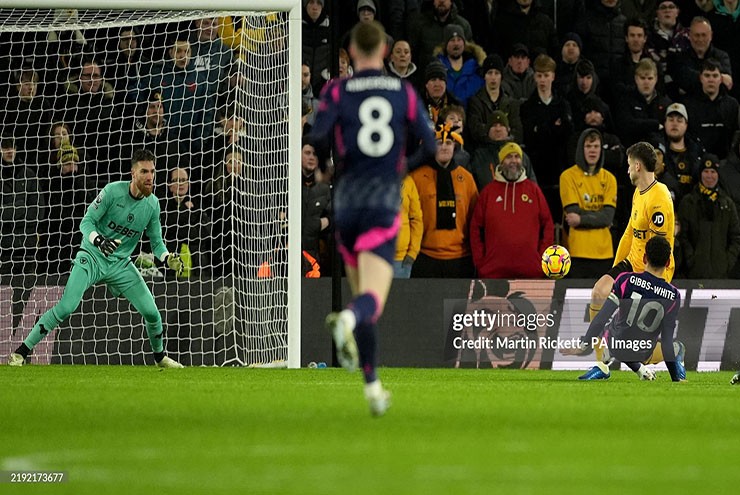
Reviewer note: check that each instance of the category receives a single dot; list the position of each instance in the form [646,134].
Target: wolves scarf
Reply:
[446,206]
[709,197]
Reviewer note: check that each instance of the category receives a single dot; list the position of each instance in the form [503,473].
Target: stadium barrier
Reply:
[417,328]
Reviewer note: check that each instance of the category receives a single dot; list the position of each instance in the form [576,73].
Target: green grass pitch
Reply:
[136,430]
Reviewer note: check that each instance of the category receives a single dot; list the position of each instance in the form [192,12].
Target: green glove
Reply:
[175,263]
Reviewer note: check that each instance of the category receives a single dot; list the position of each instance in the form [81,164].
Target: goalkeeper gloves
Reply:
[175,263]
[106,246]
[645,373]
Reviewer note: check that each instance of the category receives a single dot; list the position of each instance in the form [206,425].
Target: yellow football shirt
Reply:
[589,193]
[652,214]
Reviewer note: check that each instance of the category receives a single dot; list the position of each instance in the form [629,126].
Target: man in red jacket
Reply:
[511,224]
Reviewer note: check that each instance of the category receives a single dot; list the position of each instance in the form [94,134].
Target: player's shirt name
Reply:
[662,292]
[368,83]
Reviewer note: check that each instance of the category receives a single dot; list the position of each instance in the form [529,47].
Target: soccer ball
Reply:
[556,261]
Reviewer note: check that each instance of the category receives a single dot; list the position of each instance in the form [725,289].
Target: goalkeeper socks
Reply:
[23,350]
[158,356]
[365,307]
[365,336]
[154,332]
[46,324]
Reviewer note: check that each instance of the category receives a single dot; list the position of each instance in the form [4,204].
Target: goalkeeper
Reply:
[112,228]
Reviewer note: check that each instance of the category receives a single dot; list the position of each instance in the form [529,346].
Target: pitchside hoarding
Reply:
[427,323]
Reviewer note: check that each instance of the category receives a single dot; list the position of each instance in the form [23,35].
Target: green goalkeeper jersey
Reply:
[116,214]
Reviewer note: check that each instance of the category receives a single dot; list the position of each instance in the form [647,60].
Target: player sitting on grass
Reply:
[112,228]
[648,306]
[652,215]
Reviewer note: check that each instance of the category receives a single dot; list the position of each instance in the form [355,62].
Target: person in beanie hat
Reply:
[367,11]
[570,55]
[511,216]
[452,31]
[710,230]
[435,91]
[486,157]
[518,76]
[508,149]
[489,99]
[462,60]
[448,194]
[68,158]
[491,62]
[435,70]
[366,8]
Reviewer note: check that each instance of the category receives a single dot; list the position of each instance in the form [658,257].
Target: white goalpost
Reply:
[213,90]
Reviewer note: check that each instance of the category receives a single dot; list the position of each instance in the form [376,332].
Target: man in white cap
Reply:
[683,153]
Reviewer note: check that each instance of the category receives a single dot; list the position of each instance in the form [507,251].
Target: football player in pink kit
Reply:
[374,118]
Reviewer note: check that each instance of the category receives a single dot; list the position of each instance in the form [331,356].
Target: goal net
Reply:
[209,94]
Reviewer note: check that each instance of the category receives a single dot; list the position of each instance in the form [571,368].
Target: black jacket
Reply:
[547,129]
[639,119]
[22,209]
[315,204]
[710,235]
[714,122]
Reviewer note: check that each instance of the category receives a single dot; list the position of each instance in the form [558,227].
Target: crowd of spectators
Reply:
[567,86]
[79,103]
[495,76]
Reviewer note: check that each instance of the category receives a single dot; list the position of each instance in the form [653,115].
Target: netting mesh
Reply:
[207,93]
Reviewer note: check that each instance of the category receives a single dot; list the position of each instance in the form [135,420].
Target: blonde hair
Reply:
[544,63]
[646,66]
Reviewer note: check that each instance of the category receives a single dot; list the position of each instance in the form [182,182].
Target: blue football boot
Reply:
[598,372]
[679,360]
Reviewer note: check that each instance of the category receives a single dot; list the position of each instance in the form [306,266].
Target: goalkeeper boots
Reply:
[16,360]
[378,398]
[341,326]
[680,353]
[169,363]
[735,379]
[598,372]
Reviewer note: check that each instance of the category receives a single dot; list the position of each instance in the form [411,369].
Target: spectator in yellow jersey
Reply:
[589,196]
